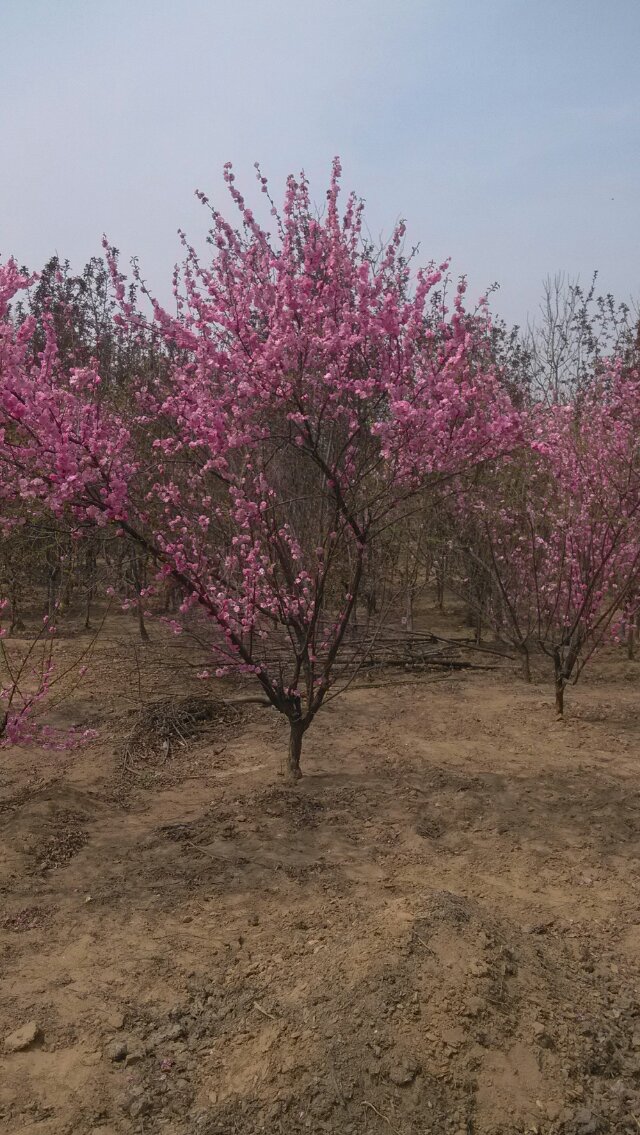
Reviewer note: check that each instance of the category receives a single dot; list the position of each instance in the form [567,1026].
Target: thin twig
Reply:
[264,1011]
[423,943]
[366,1103]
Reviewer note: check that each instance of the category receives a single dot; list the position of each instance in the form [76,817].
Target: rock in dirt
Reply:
[22,1038]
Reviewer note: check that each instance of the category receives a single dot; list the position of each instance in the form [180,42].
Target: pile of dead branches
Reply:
[162,725]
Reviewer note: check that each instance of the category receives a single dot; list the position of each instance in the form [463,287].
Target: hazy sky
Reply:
[506,132]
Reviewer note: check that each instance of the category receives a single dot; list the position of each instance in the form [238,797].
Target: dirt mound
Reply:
[46,828]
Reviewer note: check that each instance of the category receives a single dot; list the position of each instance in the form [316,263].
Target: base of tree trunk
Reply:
[295,752]
[142,630]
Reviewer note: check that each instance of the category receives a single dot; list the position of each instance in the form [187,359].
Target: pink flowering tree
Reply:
[305,397]
[32,685]
[587,567]
[24,684]
[555,535]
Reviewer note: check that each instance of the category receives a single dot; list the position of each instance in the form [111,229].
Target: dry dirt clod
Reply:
[118,1051]
[176,1031]
[135,1056]
[404,1072]
[479,969]
[586,1123]
[140,1107]
[22,1038]
[453,1038]
[473,1008]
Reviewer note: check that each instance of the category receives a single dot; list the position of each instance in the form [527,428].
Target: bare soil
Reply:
[436,931]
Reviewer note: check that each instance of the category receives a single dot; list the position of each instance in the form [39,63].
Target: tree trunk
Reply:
[87,612]
[564,662]
[631,642]
[409,609]
[137,567]
[440,591]
[526,662]
[90,584]
[144,634]
[16,622]
[170,599]
[67,594]
[53,579]
[559,683]
[295,750]
[478,624]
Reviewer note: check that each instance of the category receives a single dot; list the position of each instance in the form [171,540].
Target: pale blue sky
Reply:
[507,132]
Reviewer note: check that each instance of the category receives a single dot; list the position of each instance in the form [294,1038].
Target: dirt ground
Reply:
[437,931]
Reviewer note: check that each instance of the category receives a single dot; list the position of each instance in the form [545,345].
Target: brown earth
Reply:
[437,931]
